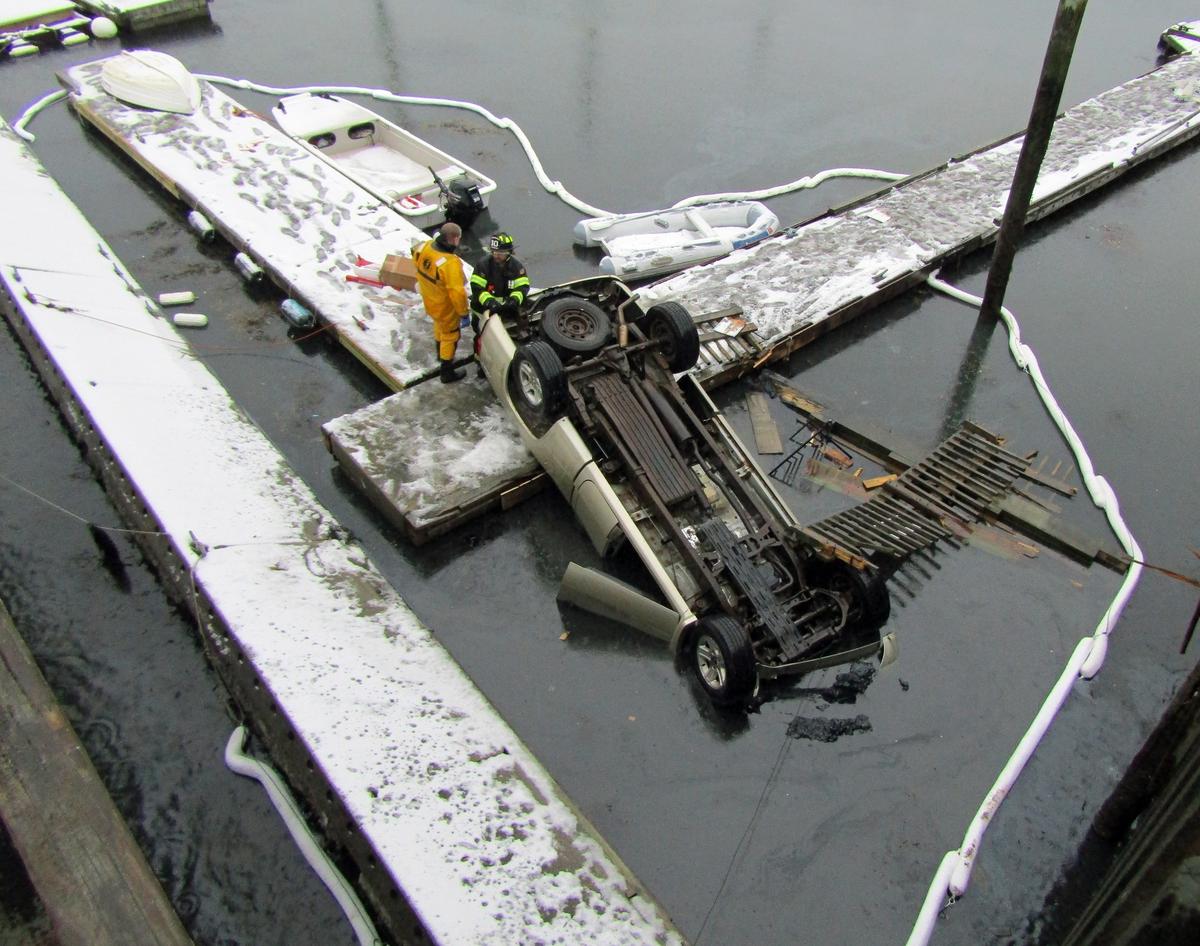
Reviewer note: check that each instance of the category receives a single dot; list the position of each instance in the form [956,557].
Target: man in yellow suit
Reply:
[443,288]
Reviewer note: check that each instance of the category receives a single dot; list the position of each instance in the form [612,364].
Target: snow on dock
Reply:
[459,834]
[430,461]
[297,218]
[816,276]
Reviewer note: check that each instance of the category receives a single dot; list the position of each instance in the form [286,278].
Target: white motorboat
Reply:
[657,242]
[406,173]
[150,79]
[1182,37]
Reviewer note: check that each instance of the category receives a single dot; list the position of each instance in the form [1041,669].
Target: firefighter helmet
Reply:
[501,243]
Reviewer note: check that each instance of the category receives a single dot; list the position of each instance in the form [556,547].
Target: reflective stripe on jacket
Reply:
[504,281]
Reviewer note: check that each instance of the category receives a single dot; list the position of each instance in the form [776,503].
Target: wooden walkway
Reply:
[816,276]
[94,881]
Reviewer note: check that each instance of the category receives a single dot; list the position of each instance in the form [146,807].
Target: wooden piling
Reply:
[92,878]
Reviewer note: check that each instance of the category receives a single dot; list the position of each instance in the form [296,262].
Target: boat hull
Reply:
[654,243]
[400,169]
[151,79]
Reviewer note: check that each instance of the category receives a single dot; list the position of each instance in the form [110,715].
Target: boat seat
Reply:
[699,223]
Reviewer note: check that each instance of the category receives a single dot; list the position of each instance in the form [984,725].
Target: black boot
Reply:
[449,373]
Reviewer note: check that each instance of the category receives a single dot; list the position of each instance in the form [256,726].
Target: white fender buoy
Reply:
[201,224]
[249,269]
[103,28]
[297,314]
[190,319]
[176,298]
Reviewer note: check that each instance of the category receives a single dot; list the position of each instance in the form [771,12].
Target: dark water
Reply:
[744,833]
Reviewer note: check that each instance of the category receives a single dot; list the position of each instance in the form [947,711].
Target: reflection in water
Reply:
[388,40]
[968,374]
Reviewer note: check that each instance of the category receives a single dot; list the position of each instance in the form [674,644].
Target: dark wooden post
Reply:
[1033,150]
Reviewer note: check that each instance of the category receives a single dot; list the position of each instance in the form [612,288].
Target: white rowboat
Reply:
[150,79]
[395,165]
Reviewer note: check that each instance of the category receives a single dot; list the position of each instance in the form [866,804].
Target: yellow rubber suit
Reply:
[444,292]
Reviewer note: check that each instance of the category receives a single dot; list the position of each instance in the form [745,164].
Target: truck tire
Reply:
[723,659]
[670,324]
[868,603]
[575,326]
[537,382]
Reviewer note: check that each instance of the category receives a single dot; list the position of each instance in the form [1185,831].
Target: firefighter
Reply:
[500,284]
[442,283]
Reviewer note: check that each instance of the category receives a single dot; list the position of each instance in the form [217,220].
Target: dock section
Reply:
[80,856]
[146,14]
[456,831]
[430,462]
[812,278]
[301,221]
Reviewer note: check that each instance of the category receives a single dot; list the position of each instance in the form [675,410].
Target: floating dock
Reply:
[810,279]
[456,831]
[430,462]
[301,221]
[145,14]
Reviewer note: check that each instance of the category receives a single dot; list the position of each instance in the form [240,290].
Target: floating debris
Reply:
[826,730]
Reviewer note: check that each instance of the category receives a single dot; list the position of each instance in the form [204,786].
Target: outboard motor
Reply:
[462,202]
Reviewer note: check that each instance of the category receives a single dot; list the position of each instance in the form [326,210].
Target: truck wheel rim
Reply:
[711,663]
[577,324]
[531,384]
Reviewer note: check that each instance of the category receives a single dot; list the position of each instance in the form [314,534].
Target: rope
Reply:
[552,186]
[78,518]
[772,778]
[954,873]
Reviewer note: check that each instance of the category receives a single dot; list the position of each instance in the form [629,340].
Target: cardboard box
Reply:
[399,272]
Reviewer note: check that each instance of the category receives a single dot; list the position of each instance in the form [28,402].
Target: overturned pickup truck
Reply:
[647,461]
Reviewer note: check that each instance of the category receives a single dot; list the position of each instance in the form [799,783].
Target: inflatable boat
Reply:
[657,242]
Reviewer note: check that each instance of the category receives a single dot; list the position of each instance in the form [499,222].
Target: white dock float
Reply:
[297,218]
[812,278]
[459,834]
